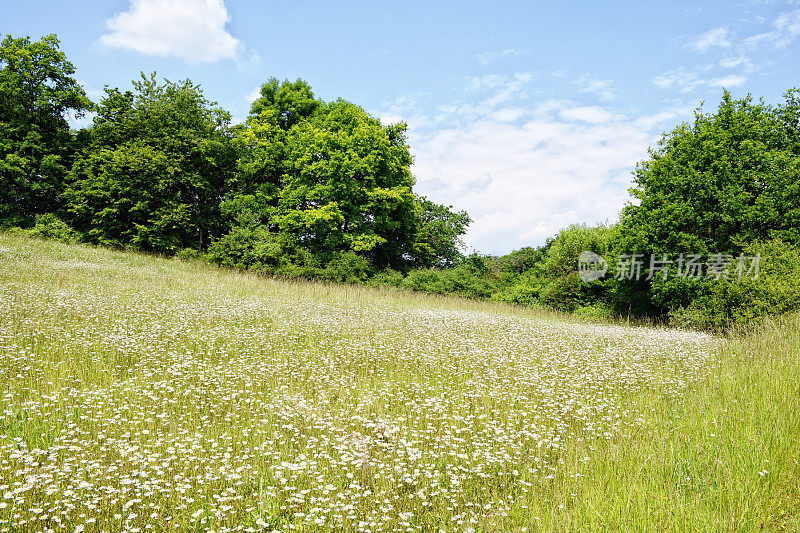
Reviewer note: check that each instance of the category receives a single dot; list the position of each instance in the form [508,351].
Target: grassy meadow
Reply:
[150,394]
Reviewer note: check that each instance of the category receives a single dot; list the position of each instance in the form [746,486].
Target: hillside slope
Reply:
[147,393]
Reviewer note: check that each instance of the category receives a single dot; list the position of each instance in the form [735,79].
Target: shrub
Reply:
[188,254]
[733,304]
[562,293]
[299,264]
[387,277]
[552,279]
[468,279]
[522,290]
[425,280]
[49,226]
[247,246]
[347,267]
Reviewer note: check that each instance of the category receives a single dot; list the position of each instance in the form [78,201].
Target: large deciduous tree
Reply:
[159,162]
[37,92]
[714,186]
[347,186]
[437,235]
[290,101]
[328,179]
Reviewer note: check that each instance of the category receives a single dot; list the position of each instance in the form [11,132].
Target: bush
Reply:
[552,277]
[519,261]
[467,279]
[248,247]
[562,293]
[387,277]
[522,290]
[49,226]
[188,254]
[425,280]
[733,304]
[347,267]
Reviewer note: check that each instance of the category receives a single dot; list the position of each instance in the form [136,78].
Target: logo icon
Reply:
[591,266]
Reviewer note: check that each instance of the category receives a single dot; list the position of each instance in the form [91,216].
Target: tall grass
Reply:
[723,457]
[145,394]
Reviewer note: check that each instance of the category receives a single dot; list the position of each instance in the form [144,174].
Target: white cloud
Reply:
[603,89]
[689,80]
[193,30]
[487,57]
[680,79]
[714,38]
[523,171]
[523,183]
[253,95]
[590,114]
[786,30]
[726,82]
[403,109]
[509,114]
[733,62]
[662,118]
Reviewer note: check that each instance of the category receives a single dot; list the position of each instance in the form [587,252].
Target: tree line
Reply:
[302,184]
[316,189]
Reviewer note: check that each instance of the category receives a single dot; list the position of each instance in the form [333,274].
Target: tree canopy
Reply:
[157,164]
[327,178]
[714,186]
[721,182]
[37,93]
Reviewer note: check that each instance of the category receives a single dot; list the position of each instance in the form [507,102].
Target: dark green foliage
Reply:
[247,246]
[347,267]
[733,303]
[37,92]
[521,260]
[290,102]
[387,277]
[726,180]
[552,279]
[523,289]
[327,179]
[472,278]
[438,234]
[49,226]
[158,162]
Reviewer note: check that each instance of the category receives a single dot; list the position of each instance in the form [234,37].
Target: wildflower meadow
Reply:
[148,394]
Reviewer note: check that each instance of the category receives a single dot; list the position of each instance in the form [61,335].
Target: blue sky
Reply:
[531,116]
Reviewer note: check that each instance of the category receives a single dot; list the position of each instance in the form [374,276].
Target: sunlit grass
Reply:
[154,394]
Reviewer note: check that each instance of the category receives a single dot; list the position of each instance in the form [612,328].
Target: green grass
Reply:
[154,394]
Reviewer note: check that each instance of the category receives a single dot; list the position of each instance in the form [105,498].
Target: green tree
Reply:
[37,93]
[329,180]
[438,234]
[260,169]
[561,286]
[347,186]
[291,102]
[725,180]
[552,278]
[159,161]
[519,261]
